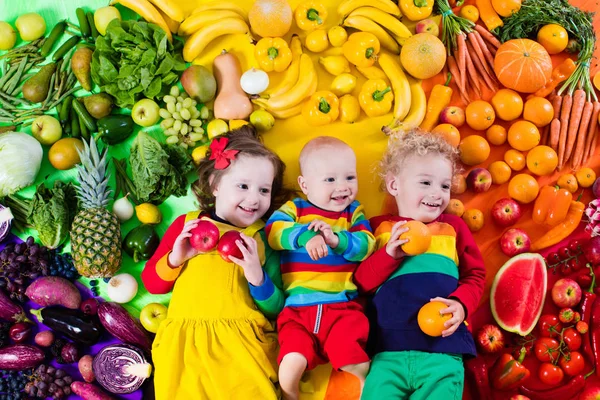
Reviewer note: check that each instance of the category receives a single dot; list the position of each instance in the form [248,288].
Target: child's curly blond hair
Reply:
[415,141]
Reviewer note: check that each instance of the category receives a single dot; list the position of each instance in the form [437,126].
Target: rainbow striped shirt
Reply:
[330,279]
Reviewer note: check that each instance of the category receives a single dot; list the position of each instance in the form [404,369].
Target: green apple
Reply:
[103,16]
[46,129]
[31,26]
[145,112]
[152,315]
[8,36]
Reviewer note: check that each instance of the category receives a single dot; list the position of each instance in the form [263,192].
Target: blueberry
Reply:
[94,282]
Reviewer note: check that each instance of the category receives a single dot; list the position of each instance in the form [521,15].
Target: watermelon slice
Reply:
[518,293]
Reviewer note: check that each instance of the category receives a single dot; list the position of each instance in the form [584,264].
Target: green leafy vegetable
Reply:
[135,59]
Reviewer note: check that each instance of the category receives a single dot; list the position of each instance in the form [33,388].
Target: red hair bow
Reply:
[221,156]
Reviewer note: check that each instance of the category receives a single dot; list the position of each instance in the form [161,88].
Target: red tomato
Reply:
[550,326]
[572,339]
[573,364]
[550,374]
[575,247]
[546,349]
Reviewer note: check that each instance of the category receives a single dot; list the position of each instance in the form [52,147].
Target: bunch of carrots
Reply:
[471,49]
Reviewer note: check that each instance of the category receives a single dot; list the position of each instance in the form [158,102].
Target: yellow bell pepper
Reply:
[310,15]
[416,10]
[321,108]
[376,97]
[273,54]
[361,49]
[438,99]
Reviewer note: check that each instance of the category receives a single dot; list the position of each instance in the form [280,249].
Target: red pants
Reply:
[329,332]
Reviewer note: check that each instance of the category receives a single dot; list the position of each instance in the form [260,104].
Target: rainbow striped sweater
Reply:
[330,279]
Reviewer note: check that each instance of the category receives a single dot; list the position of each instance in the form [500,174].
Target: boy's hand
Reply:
[316,248]
[331,239]
[182,249]
[250,262]
[394,245]
[458,315]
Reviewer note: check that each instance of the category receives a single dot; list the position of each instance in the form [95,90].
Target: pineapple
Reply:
[95,232]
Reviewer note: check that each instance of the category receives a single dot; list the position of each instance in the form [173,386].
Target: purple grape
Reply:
[30,241]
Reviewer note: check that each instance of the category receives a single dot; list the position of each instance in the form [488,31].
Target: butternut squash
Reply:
[231,101]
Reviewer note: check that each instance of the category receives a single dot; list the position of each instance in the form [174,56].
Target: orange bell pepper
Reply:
[321,108]
[488,15]
[559,74]
[562,230]
[551,206]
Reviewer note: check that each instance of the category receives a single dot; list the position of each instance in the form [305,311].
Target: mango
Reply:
[199,83]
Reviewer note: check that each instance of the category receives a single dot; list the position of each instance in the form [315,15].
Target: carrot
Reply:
[461,60]
[486,51]
[574,120]
[473,75]
[581,135]
[479,52]
[590,140]
[554,133]
[565,112]
[457,78]
[488,36]
[544,137]
[480,67]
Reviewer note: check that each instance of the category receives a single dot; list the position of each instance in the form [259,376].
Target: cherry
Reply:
[563,253]
[575,246]
[553,258]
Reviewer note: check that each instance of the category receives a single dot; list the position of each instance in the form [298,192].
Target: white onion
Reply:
[123,209]
[254,81]
[122,288]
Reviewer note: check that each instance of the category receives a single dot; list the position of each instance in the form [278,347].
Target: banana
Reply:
[388,6]
[400,85]
[368,25]
[199,40]
[390,23]
[291,74]
[418,108]
[199,20]
[171,8]
[173,25]
[222,5]
[147,11]
[288,112]
[373,72]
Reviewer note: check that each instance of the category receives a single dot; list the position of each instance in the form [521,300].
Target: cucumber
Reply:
[53,37]
[84,25]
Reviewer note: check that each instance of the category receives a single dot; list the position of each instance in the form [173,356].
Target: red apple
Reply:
[479,180]
[490,338]
[515,241]
[566,293]
[506,212]
[204,236]
[596,188]
[591,393]
[427,26]
[227,246]
[591,250]
[453,115]
[519,397]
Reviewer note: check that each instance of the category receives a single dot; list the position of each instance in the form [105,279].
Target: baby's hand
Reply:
[331,239]
[182,249]
[458,315]
[394,245]
[316,248]
[250,262]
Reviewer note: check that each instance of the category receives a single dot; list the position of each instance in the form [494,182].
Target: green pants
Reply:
[415,375]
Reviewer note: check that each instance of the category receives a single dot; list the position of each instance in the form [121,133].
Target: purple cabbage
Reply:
[113,367]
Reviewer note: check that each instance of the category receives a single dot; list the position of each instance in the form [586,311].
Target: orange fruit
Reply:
[500,172]
[568,181]
[270,18]
[542,160]
[496,135]
[597,80]
[63,154]
[469,12]
[515,159]
[455,207]
[553,37]
[523,188]
[480,115]
[459,184]
[423,55]
[585,177]
[474,219]
[506,8]
[538,110]
[449,132]
[474,149]
[523,135]
[522,65]
[419,238]
[430,320]
[507,104]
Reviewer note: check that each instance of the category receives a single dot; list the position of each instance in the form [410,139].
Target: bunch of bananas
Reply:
[208,22]
[379,17]
[164,13]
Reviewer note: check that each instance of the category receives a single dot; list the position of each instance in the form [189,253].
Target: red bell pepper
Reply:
[479,382]
[508,373]
[589,298]
[594,331]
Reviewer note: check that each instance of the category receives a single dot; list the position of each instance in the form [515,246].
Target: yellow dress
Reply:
[215,344]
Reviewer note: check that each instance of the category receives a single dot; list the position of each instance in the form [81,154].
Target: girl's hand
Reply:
[458,315]
[331,239]
[182,249]
[316,248]
[394,245]
[250,262]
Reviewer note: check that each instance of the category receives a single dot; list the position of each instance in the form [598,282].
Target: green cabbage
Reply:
[20,161]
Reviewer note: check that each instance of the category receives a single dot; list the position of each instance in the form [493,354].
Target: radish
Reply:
[54,290]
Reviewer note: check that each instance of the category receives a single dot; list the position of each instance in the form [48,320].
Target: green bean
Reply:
[17,78]
[53,37]
[6,113]
[9,73]
[90,18]
[89,121]
[66,46]
[85,133]
[84,25]
[73,26]
[67,59]
[70,91]
[75,127]
[15,99]
[50,92]
[6,104]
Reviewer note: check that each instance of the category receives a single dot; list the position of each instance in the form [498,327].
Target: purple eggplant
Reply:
[20,356]
[71,323]
[10,311]
[117,321]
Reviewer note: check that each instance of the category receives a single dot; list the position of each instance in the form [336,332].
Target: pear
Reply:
[81,65]
[36,88]
[98,105]
[199,83]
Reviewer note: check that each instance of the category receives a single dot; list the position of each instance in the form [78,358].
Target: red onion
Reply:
[4,226]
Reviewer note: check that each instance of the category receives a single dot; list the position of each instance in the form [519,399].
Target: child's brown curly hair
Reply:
[245,140]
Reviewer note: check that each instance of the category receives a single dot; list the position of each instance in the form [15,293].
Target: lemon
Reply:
[236,123]
[262,120]
[337,36]
[216,127]
[199,153]
[148,213]
[335,65]
[343,84]
[316,41]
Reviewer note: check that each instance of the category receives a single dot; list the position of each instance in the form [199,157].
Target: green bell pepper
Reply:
[113,129]
[141,242]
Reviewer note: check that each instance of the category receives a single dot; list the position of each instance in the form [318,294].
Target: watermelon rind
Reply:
[523,331]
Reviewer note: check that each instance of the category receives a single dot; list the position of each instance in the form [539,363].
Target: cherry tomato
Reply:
[550,374]
[584,280]
[553,258]
[565,267]
[576,317]
[572,339]
[564,253]
[566,315]
[582,327]
[575,247]
[546,349]
[572,364]
[550,326]
[580,262]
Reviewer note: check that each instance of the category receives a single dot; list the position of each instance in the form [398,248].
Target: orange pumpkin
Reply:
[523,65]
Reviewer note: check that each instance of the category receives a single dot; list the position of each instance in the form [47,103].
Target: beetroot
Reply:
[119,323]
[20,356]
[88,391]
[52,291]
